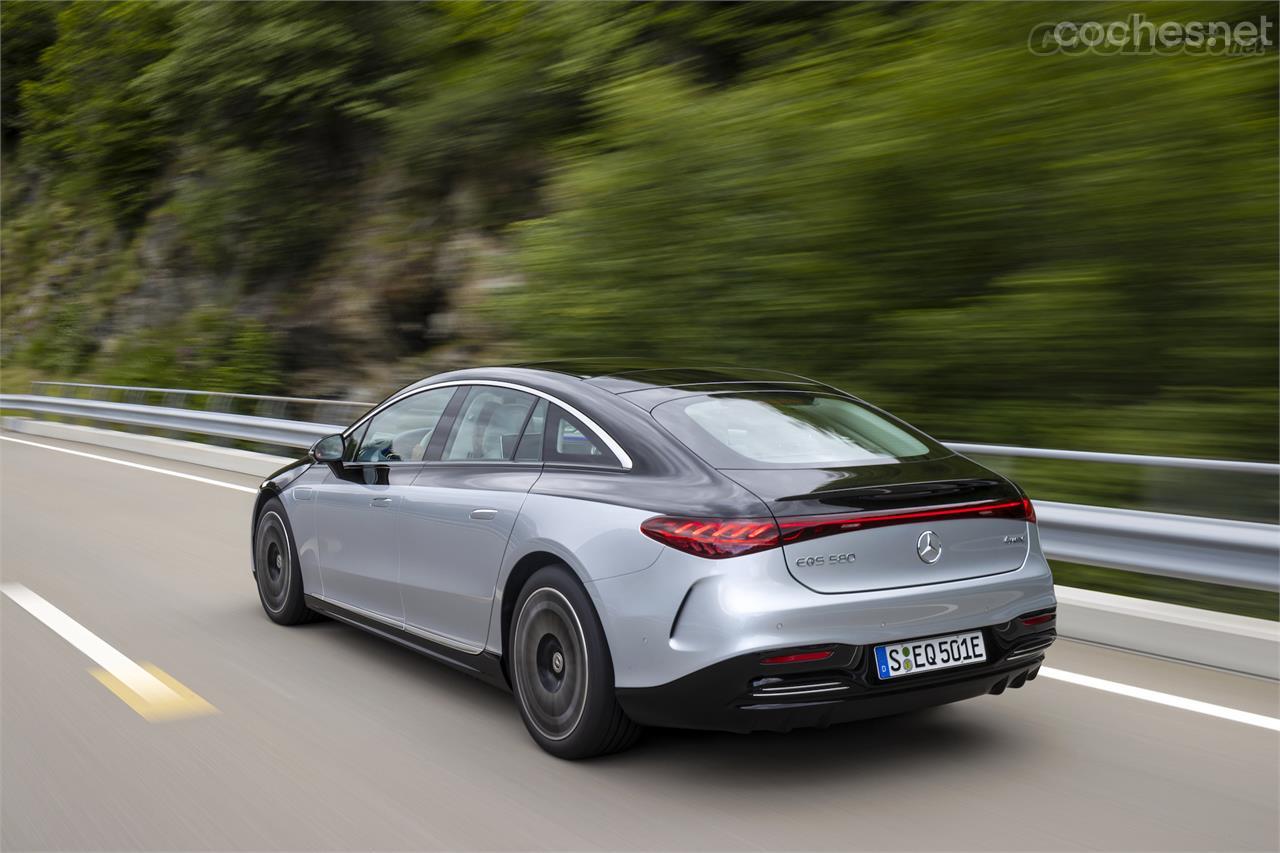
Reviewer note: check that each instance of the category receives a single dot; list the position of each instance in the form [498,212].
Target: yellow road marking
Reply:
[183,703]
[146,689]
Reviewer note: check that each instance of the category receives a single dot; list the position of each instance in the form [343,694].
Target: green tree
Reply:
[279,105]
[995,242]
[26,29]
[86,119]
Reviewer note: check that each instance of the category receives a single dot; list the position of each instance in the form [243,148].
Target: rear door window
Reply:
[791,430]
[568,440]
[489,425]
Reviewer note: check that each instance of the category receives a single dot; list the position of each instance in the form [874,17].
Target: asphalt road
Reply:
[326,738]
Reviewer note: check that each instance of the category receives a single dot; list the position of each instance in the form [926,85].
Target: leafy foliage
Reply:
[210,349]
[27,28]
[1066,250]
[992,242]
[277,102]
[87,119]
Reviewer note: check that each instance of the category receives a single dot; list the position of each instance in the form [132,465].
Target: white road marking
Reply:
[1193,705]
[94,647]
[137,465]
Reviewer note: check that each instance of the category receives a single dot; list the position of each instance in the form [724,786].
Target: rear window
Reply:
[791,430]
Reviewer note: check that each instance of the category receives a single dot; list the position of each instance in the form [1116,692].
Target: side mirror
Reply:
[328,449]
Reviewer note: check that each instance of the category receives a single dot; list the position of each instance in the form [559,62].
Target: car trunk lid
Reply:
[872,527]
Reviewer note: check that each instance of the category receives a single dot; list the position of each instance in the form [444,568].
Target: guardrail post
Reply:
[215,402]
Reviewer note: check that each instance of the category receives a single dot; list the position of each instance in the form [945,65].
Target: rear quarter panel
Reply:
[595,540]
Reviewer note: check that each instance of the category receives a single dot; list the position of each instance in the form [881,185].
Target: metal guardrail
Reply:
[1212,550]
[1117,458]
[1235,553]
[191,392]
[264,430]
[313,409]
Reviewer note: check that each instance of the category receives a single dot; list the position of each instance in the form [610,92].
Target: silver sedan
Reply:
[622,546]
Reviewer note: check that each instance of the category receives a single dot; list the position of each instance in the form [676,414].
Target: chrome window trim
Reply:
[401,464]
[387,464]
[523,463]
[623,459]
[586,466]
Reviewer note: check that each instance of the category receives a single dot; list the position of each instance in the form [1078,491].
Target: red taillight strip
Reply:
[717,538]
[1031,510]
[1031,621]
[798,657]
[815,526]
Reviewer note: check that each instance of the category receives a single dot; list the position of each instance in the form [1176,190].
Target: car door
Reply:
[356,503]
[456,519]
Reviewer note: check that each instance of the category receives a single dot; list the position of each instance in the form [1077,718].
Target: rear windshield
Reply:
[791,430]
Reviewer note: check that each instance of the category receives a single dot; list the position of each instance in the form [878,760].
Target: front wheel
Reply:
[275,565]
[561,671]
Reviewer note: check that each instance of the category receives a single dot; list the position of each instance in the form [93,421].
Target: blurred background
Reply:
[331,200]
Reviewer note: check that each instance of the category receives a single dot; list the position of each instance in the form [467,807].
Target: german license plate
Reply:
[908,658]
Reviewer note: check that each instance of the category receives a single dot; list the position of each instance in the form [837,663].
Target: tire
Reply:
[275,566]
[561,671]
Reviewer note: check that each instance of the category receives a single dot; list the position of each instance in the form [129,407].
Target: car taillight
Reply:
[1029,510]
[714,538]
[815,526]
[717,538]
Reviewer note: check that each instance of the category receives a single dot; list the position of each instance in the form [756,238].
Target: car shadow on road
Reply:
[876,750]
[410,665]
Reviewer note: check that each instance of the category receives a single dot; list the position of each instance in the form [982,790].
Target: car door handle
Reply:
[381,502]
[484,513]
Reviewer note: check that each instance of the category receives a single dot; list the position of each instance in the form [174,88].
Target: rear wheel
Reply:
[561,670]
[275,565]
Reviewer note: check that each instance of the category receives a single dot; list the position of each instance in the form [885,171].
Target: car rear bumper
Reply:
[744,695]
[685,614]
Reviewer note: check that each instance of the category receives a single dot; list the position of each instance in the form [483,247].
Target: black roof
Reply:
[646,384]
[622,375]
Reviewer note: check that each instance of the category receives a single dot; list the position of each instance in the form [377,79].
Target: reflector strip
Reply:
[799,657]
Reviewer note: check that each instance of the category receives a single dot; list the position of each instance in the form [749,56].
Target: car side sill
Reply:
[486,666]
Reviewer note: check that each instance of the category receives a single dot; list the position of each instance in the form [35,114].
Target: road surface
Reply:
[321,737]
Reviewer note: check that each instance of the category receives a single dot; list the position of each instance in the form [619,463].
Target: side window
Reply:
[401,432]
[489,425]
[530,447]
[566,439]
